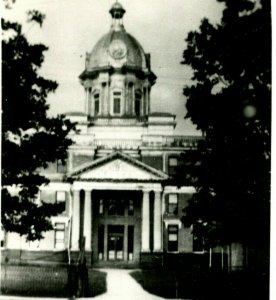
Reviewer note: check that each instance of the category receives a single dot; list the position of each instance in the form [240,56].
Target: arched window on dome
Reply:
[97,103]
[137,103]
[117,102]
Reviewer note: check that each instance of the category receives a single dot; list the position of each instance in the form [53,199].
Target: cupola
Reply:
[117,76]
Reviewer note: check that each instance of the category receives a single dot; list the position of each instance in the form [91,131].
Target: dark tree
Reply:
[30,139]
[230,102]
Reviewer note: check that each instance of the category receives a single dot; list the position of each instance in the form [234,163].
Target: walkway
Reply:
[121,286]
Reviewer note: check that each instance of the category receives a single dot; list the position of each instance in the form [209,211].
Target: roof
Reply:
[76,113]
[116,46]
[161,114]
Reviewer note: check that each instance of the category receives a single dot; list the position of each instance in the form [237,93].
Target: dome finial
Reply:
[117,11]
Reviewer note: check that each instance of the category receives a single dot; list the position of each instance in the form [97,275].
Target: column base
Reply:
[158,251]
[146,251]
[74,249]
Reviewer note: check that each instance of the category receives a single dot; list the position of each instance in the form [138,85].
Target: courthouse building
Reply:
[114,187]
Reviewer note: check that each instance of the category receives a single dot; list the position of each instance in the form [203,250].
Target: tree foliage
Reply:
[230,102]
[30,139]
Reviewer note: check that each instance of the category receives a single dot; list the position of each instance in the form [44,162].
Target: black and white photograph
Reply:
[136,149]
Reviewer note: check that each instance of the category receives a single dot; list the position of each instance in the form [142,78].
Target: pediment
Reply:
[118,167]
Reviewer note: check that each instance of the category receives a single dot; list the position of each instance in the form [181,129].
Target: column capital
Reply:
[156,188]
[146,191]
[157,193]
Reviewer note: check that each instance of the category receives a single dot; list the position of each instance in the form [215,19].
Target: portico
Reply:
[131,228]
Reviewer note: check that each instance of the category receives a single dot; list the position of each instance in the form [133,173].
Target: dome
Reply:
[115,49]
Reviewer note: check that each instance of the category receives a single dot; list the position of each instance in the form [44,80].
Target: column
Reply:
[157,231]
[148,97]
[125,253]
[145,222]
[87,220]
[108,101]
[76,221]
[105,242]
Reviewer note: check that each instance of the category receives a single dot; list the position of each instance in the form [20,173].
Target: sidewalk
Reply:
[120,285]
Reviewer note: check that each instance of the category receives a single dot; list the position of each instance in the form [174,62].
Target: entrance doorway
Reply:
[116,228]
[115,244]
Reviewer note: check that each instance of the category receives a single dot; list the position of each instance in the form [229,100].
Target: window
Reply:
[172,238]
[130,207]
[100,242]
[198,244]
[137,105]
[61,199]
[101,207]
[97,103]
[116,207]
[117,102]
[112,207]
[2,237]
[173,204]
[173,163]
[59,235]
[61,166]
[130,240]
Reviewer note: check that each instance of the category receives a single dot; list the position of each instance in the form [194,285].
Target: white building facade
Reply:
[117,202]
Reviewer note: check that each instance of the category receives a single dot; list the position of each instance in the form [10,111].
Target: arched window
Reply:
[137,104]
[97,103]
[117,97]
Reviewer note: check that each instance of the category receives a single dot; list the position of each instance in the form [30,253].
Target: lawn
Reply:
[45,281]
[203,284]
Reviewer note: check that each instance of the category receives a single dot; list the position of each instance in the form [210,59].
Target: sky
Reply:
[73,27]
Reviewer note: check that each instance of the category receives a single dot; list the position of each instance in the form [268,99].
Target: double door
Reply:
[115,242]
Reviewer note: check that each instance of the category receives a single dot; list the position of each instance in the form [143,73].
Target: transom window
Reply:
[117,96]
[116,207]
[97,103]
[173,204]
[101,206]
[172,238]
[173,161]
[130,207]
